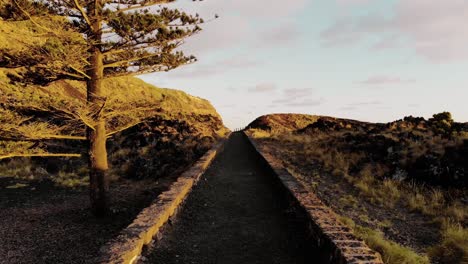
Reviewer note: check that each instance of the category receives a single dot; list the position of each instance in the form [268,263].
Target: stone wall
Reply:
[332,241]
[127,247]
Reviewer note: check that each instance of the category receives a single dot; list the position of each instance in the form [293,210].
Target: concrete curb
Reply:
[127,247]
[336,241]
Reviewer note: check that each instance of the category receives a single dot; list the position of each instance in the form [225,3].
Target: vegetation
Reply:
[442,123]
[410,165]
[453,248]
[182,121]
[391,252]
[95,40]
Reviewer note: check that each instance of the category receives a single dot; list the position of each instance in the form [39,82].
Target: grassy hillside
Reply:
[140,110]
[154,135]
[60,107]
[402,185]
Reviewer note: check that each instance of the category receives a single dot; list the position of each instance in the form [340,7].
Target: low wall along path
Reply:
[241,211]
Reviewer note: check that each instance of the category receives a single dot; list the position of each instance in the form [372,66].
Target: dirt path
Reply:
[234,215]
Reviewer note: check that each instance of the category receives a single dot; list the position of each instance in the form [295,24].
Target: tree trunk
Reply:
[98,164]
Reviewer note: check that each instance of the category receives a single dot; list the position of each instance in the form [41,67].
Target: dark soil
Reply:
[42,223]
[234,215]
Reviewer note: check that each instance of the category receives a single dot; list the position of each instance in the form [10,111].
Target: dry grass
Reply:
[392,253]
[259,133]
[27,170]
[370,179]
[372,185]
[454,246]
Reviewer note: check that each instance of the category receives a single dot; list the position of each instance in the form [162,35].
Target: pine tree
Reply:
[118,38]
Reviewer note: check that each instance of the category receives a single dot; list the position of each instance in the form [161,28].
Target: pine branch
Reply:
[83,13]
[123,128]
[31,19]
[140,6]
[79,71]
[125,62]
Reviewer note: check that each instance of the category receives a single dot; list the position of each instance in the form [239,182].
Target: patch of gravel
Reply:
[42,223]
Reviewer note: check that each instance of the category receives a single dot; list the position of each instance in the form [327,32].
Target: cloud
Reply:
[265,8]
[353,2]
[388,42]
[281,35]
[357,105]
[238,22]
[365,103]
[297,97]
[292,95]
[340,33]
[298,92]
[297,102]
[384,80]
[226,32]
[306,102]
[263,88]
[217,67]
[435,30]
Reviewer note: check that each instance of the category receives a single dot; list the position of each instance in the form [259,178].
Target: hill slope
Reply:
[402,185]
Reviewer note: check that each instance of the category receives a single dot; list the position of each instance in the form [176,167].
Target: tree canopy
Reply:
[133,37]
[90,41]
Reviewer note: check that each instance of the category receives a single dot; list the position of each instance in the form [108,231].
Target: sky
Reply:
[370,60]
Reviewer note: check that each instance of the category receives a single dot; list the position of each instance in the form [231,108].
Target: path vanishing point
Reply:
[234,215]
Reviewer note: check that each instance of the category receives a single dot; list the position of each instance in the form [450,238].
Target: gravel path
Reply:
[234,215]
[42,223]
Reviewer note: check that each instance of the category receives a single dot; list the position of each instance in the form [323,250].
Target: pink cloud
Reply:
[435,30]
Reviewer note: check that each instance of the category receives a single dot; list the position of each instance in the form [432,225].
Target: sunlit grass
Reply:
[391,252]
[372,183]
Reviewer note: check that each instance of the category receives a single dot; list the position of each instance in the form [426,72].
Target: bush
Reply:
[441,123]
